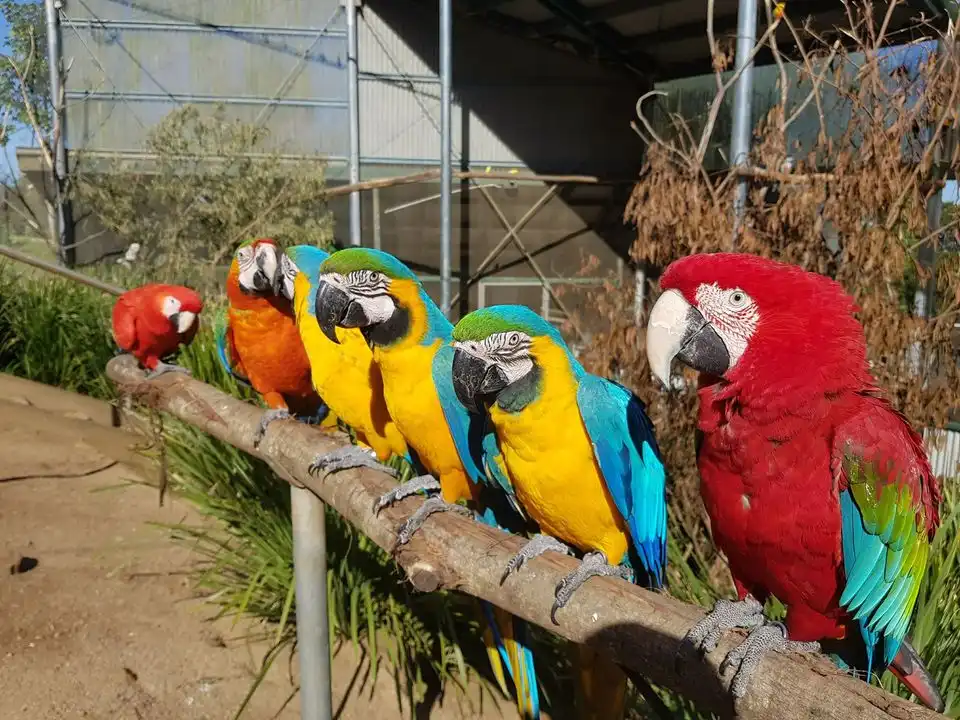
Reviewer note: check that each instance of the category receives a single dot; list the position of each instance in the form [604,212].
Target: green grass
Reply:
[56,332]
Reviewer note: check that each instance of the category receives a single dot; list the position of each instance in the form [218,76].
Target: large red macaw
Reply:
[819,492]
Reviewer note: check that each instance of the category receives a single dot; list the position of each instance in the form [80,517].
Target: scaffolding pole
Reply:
[742,105]
[353,105]
[446,152]
[64,215]
[310,579]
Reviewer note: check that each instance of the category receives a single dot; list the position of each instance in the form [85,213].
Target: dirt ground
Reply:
[97,617]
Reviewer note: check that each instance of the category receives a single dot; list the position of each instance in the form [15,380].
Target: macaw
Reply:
[258,341]
[373,291]
[582,457]
[343,373]
[819,492]
[153,320]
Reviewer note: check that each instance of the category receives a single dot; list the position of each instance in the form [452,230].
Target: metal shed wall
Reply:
[133,61]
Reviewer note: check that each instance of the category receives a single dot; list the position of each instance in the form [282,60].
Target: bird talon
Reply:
[346,458]
[415,522]
[418,484]
[594,564]
[746,657]
[163,368]
[268,417]
[537,546]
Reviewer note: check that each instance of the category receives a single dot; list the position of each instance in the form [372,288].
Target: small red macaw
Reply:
[258,340]
[153,320]
[819,492]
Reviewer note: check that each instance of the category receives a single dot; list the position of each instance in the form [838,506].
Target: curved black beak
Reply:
[676,329]
[262,282]
[331,308]
[276,286]
[475,380]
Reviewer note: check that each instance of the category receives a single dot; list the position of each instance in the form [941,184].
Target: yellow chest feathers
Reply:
[414,404]
[550,460]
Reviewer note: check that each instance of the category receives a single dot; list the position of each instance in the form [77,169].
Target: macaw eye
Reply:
[738,298]
[514,339]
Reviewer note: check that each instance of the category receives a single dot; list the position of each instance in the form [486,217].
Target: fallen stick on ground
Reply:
[639,629]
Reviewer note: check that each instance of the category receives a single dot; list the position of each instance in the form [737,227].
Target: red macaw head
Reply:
[255,266]
[179,305]
[743,317]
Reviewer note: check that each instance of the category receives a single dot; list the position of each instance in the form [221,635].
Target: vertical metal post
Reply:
[446,152]
[64,215]
[639,294]
[742,104]
[353,105]
[313,632]
[377,240]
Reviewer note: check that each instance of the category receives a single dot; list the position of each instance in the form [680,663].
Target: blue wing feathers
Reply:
[627,453]
[221,327]
[873,593]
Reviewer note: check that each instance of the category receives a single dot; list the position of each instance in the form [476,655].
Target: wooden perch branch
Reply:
[639,629]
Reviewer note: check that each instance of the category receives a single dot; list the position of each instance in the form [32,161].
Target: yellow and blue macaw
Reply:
[373,291]
[343,373]
[582,457]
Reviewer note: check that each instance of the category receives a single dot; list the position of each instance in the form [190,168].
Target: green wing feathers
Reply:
[885,549]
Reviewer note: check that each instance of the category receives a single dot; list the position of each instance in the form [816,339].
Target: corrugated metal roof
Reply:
[666,39]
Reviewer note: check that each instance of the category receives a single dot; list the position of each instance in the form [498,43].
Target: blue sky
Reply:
[22,137]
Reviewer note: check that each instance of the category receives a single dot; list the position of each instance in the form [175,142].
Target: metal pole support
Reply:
[64,214]
[446,151]
[353,104]
[742,104]
[313,630]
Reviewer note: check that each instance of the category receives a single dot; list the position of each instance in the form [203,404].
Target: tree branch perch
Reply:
[639,629]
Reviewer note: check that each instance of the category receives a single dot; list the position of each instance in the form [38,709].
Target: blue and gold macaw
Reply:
[582,457]
[343,373]
[373,291]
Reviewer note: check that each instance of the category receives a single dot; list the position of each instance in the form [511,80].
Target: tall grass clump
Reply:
[55,332]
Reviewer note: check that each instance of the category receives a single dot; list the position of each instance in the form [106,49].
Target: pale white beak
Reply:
[666,332]
[185,320]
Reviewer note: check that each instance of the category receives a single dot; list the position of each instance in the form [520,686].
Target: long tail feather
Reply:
[909,669]
[506,641]
[601,692]
[496,652]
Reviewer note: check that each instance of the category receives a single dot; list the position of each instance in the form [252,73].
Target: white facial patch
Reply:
[510,351]
[377,309]
[368,288]
[247,265]
[171,306]
[288,270]
[732,313]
